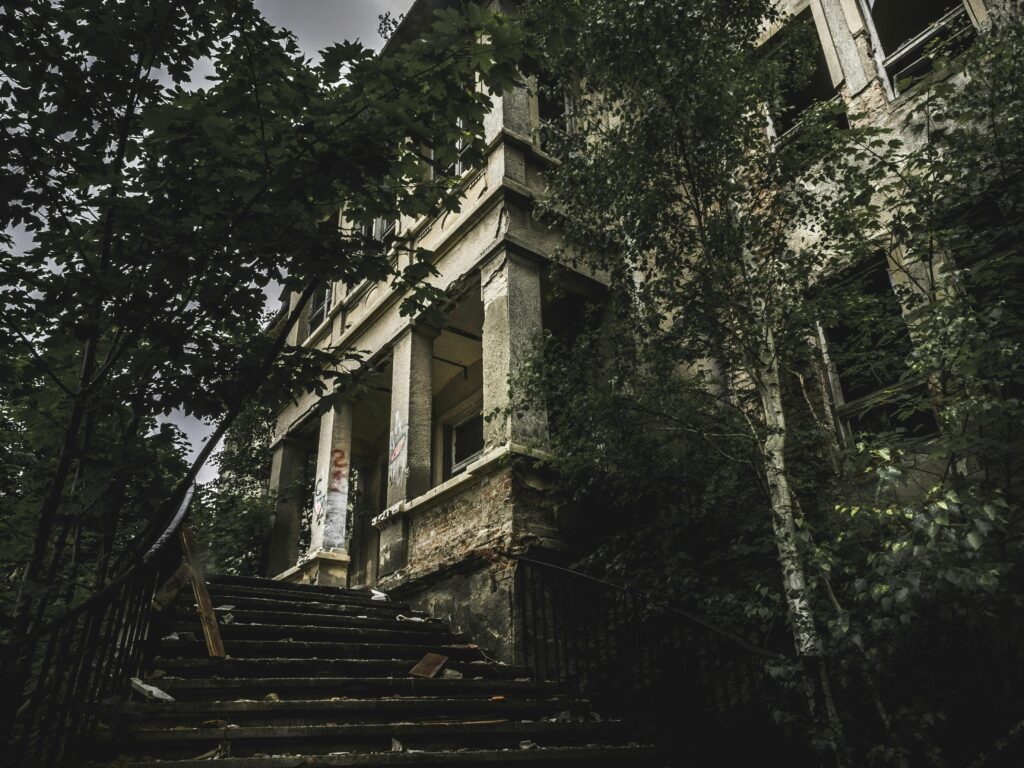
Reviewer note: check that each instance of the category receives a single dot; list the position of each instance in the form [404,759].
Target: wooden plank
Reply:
[214,644]
[429,665]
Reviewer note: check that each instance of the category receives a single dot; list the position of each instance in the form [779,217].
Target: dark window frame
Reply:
[871,408]
[908,59]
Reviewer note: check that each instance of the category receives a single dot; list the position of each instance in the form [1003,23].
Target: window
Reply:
[380,229]
[554,106]
[867,348]
[464,443]
[458,166]
[902,31]
[319,304]
[805,72]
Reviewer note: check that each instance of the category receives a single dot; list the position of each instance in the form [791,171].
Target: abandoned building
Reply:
[424,485]
[416,490]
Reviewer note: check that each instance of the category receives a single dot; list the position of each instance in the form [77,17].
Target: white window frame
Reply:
[458,468]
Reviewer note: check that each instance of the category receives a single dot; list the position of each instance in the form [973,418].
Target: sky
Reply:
[316,24]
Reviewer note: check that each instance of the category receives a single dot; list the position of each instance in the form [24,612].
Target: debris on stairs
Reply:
[322,676]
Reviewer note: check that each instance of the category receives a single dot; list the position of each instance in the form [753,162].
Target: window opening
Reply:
[868,347]
[319,304]
[464,443]
[380,229]
[806,77]
[554,106]
[904,29]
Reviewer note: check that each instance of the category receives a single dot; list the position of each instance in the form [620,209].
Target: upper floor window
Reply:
[554,106]
[867,349]
[319,305]
[380,229]
[806,76]
[457,165]
[902,31]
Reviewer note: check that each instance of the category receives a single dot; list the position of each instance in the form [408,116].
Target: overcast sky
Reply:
[316,24]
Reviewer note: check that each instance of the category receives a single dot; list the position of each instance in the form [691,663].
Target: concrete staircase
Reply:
[319,676]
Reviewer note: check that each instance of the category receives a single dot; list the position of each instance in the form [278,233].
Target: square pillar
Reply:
[287,464]
[330,495]
[510,288]
[409,437]
[845,46]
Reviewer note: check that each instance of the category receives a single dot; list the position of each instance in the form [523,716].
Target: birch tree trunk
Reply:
[805,631]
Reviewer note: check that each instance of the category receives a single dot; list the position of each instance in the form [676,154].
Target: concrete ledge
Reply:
[487,464]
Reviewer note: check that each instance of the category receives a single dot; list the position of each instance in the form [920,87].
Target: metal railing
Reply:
[58,679]
[669,673]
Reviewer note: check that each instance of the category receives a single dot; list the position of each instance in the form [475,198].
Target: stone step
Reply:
[355,667]
[229,592]
[607,757]
[322,711]
[305,607]
[257,582]
[293,688]
[353,631]
[254,649]
[364,737]
[274,618]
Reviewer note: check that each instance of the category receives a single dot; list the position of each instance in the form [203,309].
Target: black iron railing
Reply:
[58,678]
[677,678]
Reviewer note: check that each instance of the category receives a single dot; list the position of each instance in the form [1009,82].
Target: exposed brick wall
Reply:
[477,519]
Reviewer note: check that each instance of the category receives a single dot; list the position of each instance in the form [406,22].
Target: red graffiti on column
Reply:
[338,469]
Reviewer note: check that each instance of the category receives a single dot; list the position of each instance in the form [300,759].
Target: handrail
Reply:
[659,668]
[661,604]
[55,676]
[113,586]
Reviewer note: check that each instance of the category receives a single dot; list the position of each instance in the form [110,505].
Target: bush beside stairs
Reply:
[319,676]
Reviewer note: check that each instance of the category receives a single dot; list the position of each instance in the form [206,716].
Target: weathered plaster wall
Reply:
[477,599]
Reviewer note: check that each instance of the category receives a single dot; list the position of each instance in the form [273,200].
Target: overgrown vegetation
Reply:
[693,419]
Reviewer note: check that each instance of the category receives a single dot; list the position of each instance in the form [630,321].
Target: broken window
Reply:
[867,347]
[805,78]
[904,29]
[319,304]
[464,443]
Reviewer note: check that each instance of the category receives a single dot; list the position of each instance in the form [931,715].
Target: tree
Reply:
[724,249]
[232,516]
[160,213]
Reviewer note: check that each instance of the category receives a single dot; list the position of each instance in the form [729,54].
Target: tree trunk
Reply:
[805,631]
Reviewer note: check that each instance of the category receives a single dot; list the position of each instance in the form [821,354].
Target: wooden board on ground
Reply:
[429,665]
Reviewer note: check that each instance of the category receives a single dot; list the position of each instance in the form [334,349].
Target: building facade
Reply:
[424,485]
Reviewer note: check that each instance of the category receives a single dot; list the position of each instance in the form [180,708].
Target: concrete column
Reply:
[330,495]
[409,438]
[510,288]
[411,396]
[287,462]
[846,47]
